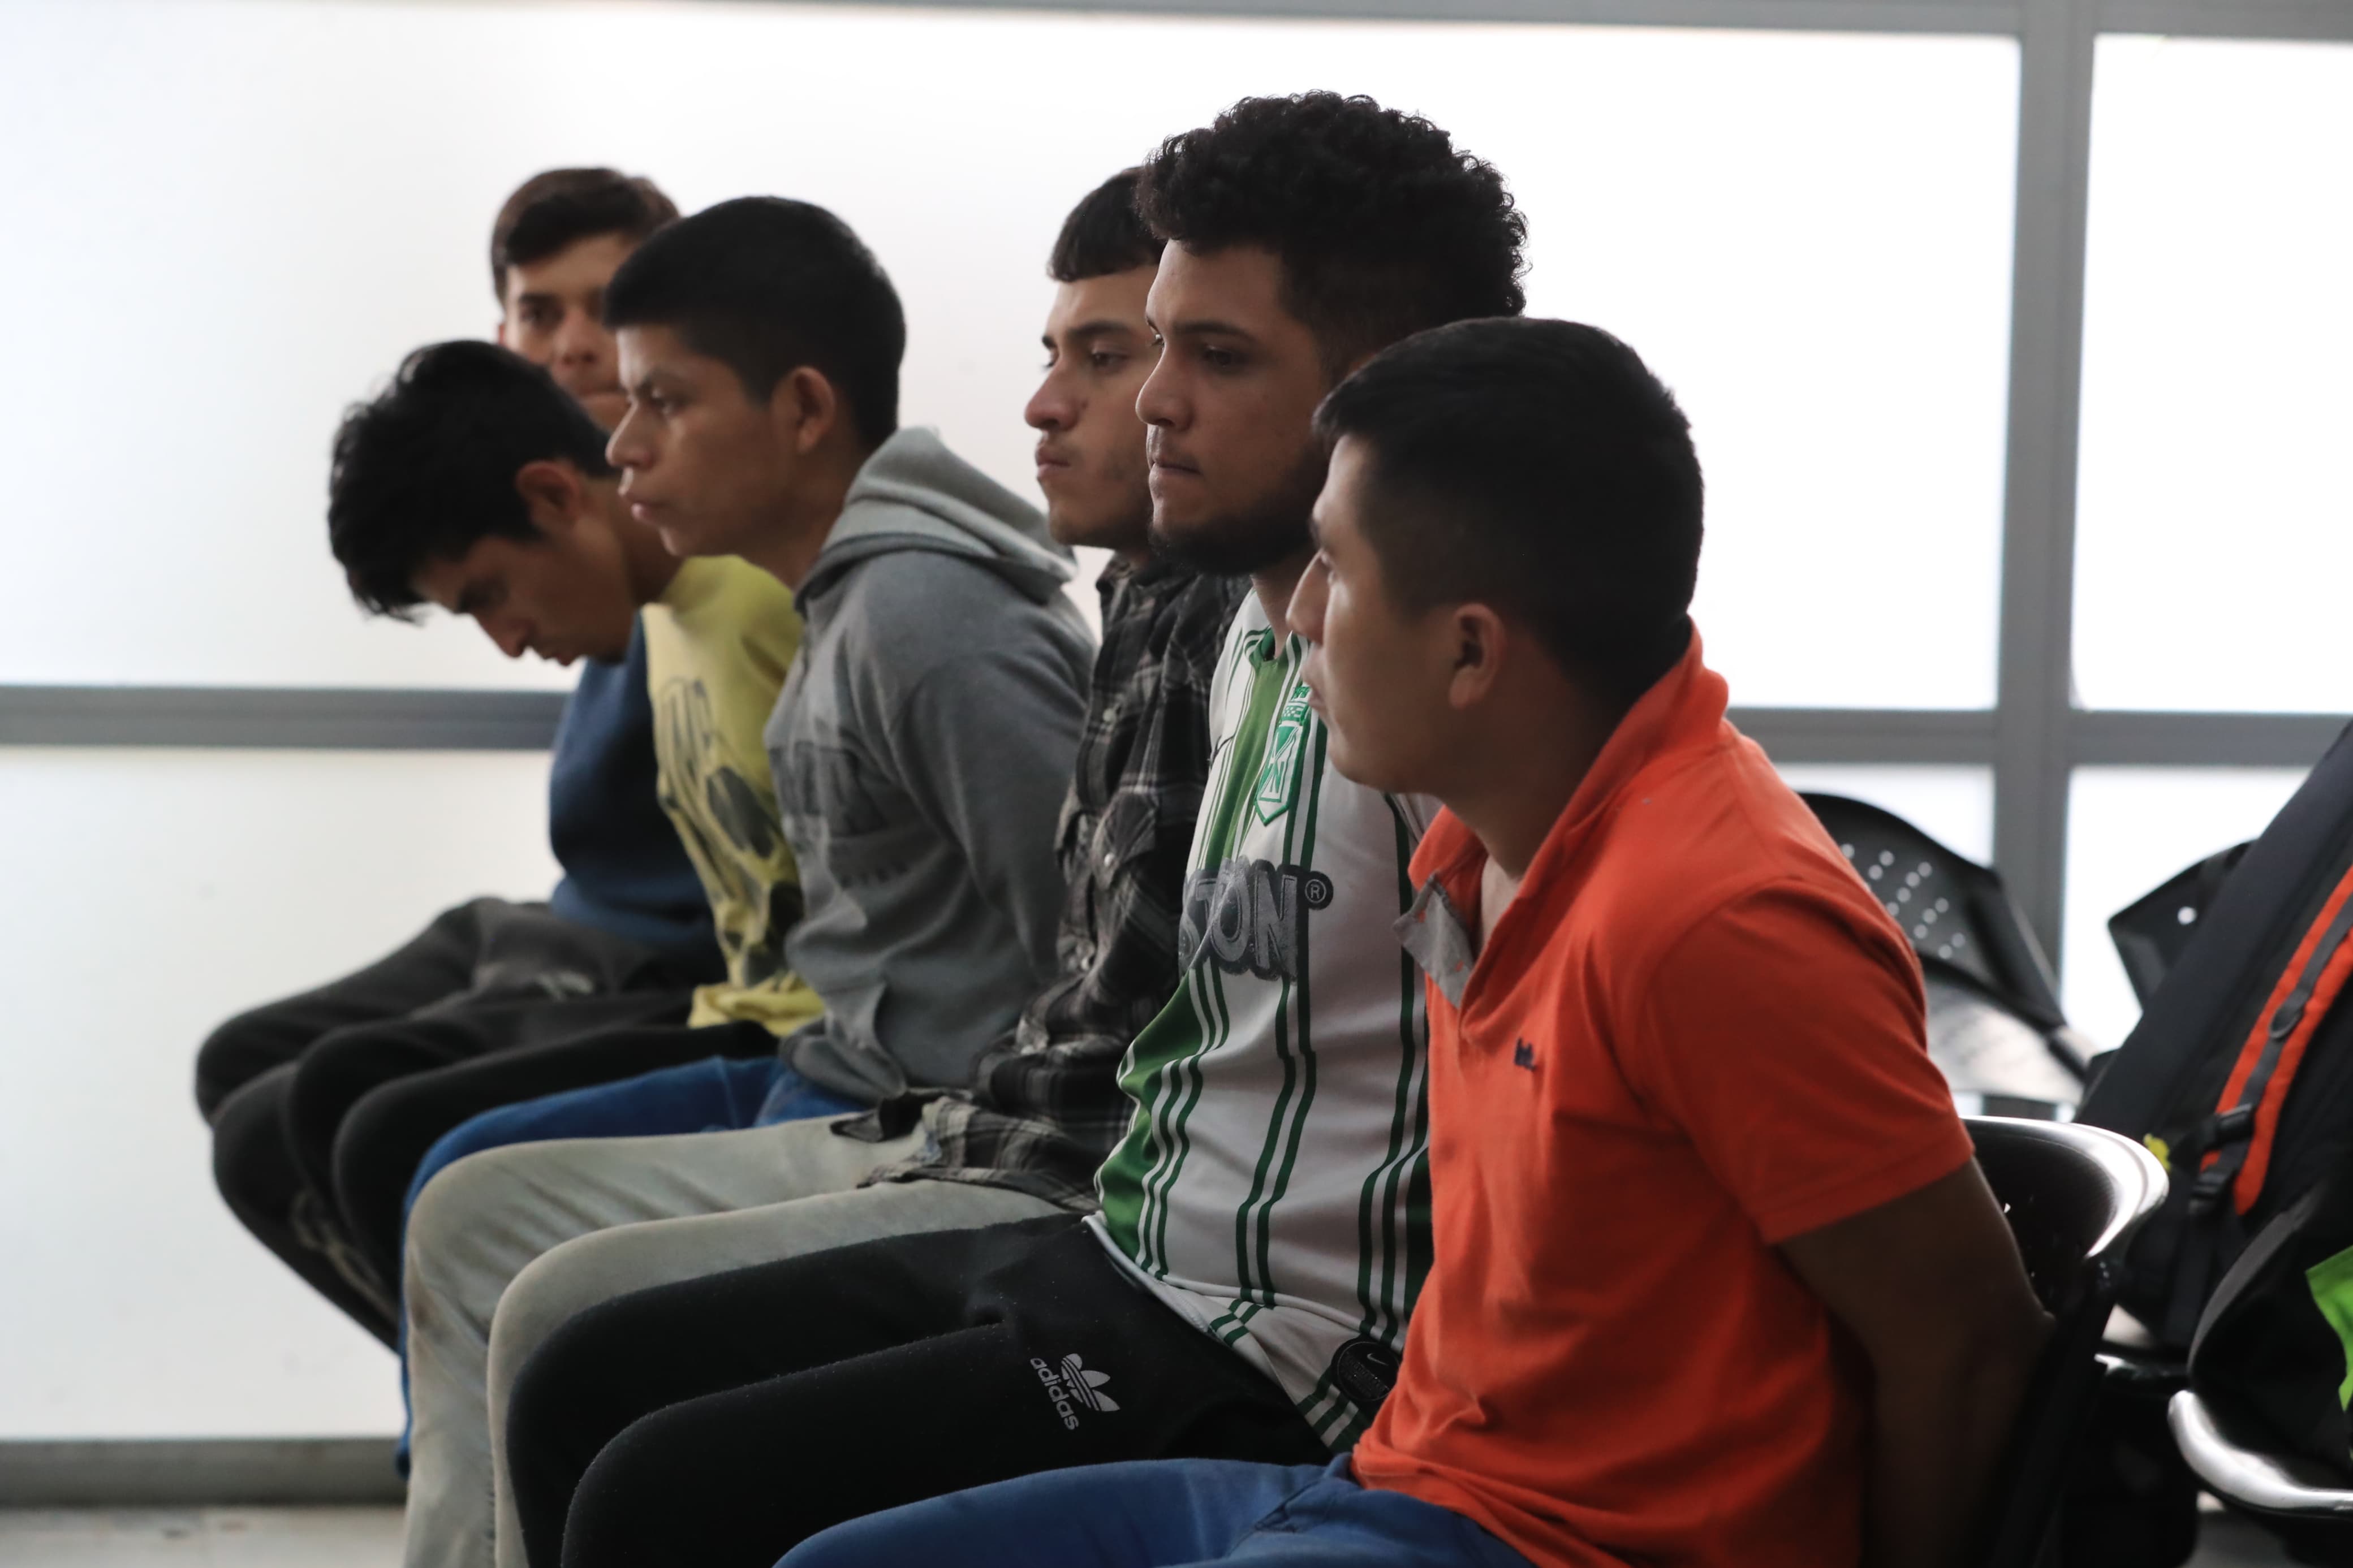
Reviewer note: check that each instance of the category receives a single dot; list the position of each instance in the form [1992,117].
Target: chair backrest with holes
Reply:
[1956,912]
[1994,1025]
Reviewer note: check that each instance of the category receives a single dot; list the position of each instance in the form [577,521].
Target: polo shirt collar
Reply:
[1683,709]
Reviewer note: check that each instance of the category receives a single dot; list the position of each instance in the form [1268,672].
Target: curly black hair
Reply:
[1383,227]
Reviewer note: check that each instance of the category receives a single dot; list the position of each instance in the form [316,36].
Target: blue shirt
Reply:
[624,870]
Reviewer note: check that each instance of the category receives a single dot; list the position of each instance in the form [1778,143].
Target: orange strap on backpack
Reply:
[2307,987]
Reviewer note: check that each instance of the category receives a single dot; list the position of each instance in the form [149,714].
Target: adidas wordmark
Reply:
[1072,1385]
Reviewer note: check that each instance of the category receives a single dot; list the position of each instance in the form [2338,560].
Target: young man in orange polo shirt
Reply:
[1717,1283]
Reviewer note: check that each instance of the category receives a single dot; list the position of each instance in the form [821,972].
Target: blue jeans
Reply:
[1165,1513]
[719,1094]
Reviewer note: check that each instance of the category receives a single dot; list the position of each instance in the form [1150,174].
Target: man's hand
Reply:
[1932,1289]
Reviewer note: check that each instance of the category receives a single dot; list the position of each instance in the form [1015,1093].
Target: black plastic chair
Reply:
[2073,1197]
[2150,931]
[1994,1022]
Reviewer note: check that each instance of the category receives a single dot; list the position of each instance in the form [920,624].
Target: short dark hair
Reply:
[1104,234]
[766,286]
[1539,467]
[1382,225]
[552,211]
[426,470]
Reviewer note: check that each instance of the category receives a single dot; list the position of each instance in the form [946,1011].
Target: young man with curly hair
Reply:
[1718,1282]
[1263,1225]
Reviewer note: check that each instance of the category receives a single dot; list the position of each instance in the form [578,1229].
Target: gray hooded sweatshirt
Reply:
[922,746]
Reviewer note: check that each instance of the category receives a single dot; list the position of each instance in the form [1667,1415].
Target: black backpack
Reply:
[2240,1075]
[2265,1360]
[2270,1367]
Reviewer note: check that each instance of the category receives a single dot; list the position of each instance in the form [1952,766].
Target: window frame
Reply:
[2035,736]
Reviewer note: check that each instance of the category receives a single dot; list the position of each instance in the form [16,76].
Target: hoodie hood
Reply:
[915,494]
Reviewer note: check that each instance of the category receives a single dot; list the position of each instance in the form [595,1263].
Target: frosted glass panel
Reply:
[1952,805]
[152,894]
[260,206]
[2215,512]
[2130,829]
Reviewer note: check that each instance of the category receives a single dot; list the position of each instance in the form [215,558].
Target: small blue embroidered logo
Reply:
[1523,1055]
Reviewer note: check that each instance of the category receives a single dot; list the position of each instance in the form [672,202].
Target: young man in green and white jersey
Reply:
[1273,1188]
[1264,1223]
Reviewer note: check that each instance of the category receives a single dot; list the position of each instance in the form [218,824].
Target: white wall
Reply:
[148,895]
[229,218]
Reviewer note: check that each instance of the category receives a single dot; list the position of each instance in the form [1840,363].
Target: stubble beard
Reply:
[1269,530]
[1131,528]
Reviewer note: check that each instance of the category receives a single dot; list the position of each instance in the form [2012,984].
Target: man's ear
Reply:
[805,406]
[500,336]
[550,492]
[1481,643]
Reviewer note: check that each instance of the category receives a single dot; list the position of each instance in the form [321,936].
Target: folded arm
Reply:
[1932,1290]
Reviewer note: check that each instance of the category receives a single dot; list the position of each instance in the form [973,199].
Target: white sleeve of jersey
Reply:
[1418,811]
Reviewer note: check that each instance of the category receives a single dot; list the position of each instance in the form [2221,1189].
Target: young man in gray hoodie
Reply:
[921,749]
[924,736]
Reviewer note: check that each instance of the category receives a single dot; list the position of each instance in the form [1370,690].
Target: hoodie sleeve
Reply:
[984,744]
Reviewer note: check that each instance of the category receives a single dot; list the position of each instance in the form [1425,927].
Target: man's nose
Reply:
[579,336]
[510,635]
[1156,401]
[1051,409]
[1306,611]
[622,447]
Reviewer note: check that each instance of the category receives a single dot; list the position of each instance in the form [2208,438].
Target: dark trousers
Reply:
[720,1421]
[317,1101]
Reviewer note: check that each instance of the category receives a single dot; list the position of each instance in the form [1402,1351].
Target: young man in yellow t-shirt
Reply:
[719,637]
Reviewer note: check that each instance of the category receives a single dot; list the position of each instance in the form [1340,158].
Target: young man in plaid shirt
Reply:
[495,1266]
[1046,1107]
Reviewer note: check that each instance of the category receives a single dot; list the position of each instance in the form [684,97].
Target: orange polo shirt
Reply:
[1692,1037]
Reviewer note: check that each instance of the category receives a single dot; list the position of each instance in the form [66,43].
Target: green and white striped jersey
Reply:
[1274,1185]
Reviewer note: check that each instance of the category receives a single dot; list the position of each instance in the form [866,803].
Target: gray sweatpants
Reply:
[506,1246]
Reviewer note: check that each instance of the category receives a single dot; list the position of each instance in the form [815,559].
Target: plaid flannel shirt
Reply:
[1046,1107]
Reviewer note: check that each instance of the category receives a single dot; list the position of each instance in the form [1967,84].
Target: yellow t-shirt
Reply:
[717,645]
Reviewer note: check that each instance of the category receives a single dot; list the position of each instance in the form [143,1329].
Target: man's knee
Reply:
[552,1290]
[377,1145]
[467,1236]
[233,1055]
[633,1496]
[250,1164]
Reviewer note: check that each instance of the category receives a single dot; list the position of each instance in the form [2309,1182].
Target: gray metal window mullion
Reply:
[2033,713]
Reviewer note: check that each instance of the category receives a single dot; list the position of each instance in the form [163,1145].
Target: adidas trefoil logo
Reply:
[1072,1386]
